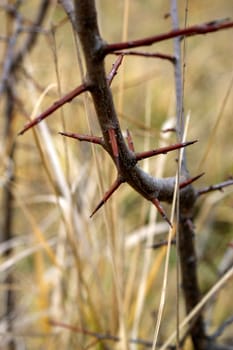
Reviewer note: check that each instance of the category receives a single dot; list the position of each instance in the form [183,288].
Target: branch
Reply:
[32,35]
[200,29]
[101,336]
[94,49]
[162,56]
[13,60]
[186,254]
[217,187]
[222,328]
[97,83]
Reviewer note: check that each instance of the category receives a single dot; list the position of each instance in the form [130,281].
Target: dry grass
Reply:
[84,272]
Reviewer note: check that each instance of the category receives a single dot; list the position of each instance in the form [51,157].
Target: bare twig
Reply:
[217,187]
[101,337]
[200,29]
[222,328]
[162,56]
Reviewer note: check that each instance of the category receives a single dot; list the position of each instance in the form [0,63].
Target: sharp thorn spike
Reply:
[130,141]
[156,202]
[189,181]
[107,195]
[80,137]
[163,150]
[114,70]
[56,105]
[113,141]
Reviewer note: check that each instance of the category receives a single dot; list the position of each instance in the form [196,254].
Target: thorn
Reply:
[156,202]
[107,195]
[129,140]
[189,181]
[56,105]
[163,150]
[114,70]
[113,141]
[80,137]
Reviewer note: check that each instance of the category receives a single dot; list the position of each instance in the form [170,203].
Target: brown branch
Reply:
[32,35]
[199,29]
[138,156]
[100,336]
[94,49]
[217,187]
[185,244]
[162,56]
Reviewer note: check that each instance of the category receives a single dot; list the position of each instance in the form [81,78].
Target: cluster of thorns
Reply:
[111,132]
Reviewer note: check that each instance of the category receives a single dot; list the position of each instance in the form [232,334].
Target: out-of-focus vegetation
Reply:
[90,273]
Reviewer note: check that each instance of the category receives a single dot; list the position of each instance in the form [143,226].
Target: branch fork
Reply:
[138,156]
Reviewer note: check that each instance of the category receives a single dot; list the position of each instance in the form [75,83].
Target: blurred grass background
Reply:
[90,273]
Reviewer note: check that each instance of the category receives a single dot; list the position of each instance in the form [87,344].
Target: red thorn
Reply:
[107,195]
[130,141]
[156,202]
[113,141]
[80,137]
[163,150]
[189,181]
[114,70]
[56,105]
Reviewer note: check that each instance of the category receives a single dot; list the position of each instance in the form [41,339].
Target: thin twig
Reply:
[200,29]
[217,187]
[222,328]
[100,336]
[162,56]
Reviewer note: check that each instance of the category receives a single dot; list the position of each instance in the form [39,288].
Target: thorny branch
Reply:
[95,50]
[84,21]
[200,29]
